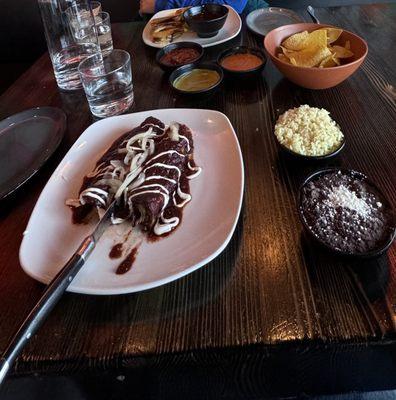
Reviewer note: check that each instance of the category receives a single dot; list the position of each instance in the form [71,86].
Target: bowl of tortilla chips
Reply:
[315,56]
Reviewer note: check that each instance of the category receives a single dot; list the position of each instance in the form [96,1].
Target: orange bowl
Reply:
[315,78]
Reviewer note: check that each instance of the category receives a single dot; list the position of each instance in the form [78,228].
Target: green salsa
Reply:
[197,79]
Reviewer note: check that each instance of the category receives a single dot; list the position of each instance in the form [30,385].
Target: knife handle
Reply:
[46,303]
[311,13]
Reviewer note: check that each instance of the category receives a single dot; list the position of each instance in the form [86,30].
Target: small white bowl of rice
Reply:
[309,133]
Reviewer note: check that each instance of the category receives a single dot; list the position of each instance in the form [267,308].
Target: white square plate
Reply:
[208,220]
[231,28]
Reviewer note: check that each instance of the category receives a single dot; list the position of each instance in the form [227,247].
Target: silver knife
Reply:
[52,294]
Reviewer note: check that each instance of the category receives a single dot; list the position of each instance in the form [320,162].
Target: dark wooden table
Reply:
[272,315]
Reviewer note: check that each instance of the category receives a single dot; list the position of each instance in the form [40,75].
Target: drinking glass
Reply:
[81,19]
[96,7]
[86,18]
[103,29]
[65,52]
[107,82]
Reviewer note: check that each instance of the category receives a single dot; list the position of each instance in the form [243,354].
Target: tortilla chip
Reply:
[316,38]
[313,49]
[303,40]
[282,57]
[332,34]
[296,42]
[328,62]
[341,52]
[310,57]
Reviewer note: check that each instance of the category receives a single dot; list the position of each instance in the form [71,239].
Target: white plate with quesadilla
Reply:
[167,27]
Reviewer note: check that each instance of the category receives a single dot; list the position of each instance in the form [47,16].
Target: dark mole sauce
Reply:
[170,212]
[206,15]
[173,211]
[116,251]
[81,214]
[126,264]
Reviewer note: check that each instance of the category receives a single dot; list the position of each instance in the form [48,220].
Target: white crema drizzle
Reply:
[127,177]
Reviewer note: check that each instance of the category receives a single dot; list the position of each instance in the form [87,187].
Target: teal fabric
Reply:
[254,5]
[239,5]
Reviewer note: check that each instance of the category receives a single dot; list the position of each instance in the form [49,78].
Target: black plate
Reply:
[382,248]
[27,140]
[264,20]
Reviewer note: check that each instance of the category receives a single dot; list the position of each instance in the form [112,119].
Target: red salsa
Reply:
[180,56]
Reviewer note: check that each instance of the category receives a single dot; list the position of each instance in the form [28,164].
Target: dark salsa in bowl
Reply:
[180,56]
[177,54]
[346,213]
[207,19]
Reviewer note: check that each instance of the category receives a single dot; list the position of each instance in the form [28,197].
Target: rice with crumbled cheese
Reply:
[308,131]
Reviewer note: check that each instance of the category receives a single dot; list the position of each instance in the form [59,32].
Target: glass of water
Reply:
[107,82]
[96,7]
[66,61]
[65,52]
[81,18]
[103,29]
[86,20]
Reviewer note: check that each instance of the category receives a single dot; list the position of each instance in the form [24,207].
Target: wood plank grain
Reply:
[271,287]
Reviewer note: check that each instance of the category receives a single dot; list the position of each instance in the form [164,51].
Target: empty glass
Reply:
[65,52]
[107,82]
